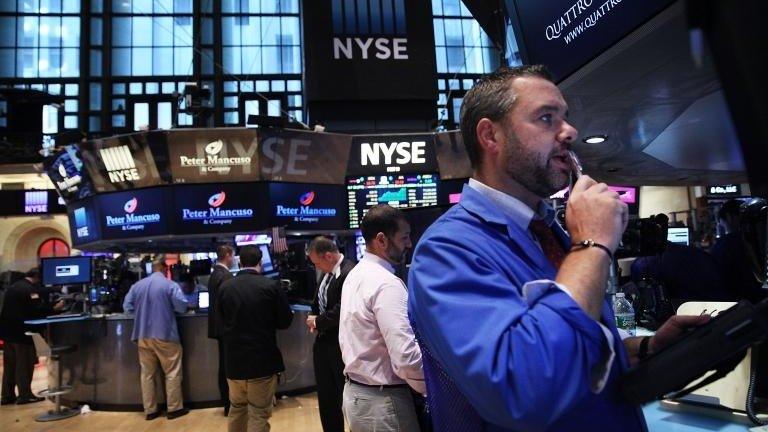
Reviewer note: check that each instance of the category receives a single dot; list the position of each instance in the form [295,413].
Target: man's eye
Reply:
[546,118]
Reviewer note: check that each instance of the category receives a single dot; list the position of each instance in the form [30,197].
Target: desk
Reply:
[105,371]
[661,419]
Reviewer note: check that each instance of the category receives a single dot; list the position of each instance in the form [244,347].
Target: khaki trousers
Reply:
[251,404]
[154,352]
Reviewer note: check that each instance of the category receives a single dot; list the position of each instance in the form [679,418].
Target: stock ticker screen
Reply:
[399,191]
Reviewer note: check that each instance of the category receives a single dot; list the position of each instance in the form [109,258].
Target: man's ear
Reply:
[490,137]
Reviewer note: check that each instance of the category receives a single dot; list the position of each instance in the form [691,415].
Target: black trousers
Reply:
[223,386]
[18,366]
[329,374]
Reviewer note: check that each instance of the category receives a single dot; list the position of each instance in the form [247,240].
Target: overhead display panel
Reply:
[399,191]
[213,155]
[126,162]
[307,207]
[396,154]
[30,202]
[218,208]
[83,222]
[68,174]
[566,34]
[130,214]
[303,156]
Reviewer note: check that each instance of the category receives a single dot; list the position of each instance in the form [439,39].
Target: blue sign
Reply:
[83,223]
[564,35]
[306,206]
[139,213]
[216,208]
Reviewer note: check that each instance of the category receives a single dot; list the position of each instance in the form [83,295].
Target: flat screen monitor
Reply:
[359,246]
[252,239]
[131,214]
[678,236]
[66,270]
[300,206]
[148,268]
[216,208]
[399,191]
[266,259]
[203,300]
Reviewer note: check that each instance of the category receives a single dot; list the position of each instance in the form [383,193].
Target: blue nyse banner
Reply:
[83,222]
[139,213]
[566,34]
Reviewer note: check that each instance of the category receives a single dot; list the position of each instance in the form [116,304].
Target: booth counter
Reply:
[104,370]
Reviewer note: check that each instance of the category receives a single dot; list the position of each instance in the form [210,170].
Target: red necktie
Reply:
[552,248]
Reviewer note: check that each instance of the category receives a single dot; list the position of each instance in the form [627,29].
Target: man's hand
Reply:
[595,212]
[59,306]
[311,323]
[673,329]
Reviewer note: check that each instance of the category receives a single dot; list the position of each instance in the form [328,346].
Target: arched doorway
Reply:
[53,247]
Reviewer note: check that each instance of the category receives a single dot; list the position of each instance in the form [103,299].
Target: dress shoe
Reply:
[8,401]
[176,414]
[226,410]
[153,415]
[29,400]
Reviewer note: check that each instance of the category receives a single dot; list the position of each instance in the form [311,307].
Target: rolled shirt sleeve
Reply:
[390,306]
[178,299]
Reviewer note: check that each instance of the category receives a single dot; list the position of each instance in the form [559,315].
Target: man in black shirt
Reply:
[23,301]
[225,258]
[250,310]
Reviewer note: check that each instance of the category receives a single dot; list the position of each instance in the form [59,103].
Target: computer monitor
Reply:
[203,300]
[148,268]
[66,270]
[266,259]
[678,236]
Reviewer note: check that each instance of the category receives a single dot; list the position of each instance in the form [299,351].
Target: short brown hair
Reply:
[223,250]
[321,245]
[491,98]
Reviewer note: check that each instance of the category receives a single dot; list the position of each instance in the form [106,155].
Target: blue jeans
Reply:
[379,409]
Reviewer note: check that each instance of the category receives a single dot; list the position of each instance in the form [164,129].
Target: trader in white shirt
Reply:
[377,343]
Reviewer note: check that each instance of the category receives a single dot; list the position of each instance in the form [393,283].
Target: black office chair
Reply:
[54,353]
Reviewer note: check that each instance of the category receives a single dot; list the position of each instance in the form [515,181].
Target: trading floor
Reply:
[291,414]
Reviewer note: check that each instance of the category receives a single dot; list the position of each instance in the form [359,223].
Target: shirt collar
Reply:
[517,211]
[337,268]
[375,259]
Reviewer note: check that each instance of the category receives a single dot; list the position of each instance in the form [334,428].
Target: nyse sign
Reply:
[381,153]
[382,48]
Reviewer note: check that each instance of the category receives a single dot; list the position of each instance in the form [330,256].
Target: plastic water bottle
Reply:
[625,314]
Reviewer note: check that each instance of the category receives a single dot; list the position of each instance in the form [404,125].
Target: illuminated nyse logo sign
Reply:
[213,161]
[81,222]
[36,202]
[67,270]
[304,212]
[398,153]
[120,164]
[132,221]
[385,20]
[215,214]
[67,183]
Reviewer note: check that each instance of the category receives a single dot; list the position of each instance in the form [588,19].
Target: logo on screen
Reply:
[389,22]
[214,147]
[217,199]
[395,153]
[81,222]
[120,164]
[36,202]
[67,270]
[62,170]
[131,205]
[213,157]
[307,198]
[67,183]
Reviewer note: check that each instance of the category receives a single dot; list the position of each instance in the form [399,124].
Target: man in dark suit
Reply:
[251,309]
[329,368]
[23,301]
[225,258]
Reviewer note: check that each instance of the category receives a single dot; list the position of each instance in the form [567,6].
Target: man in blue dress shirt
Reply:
[515,331]
[154,301]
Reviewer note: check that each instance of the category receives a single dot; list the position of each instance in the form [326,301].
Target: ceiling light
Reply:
[595,139]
